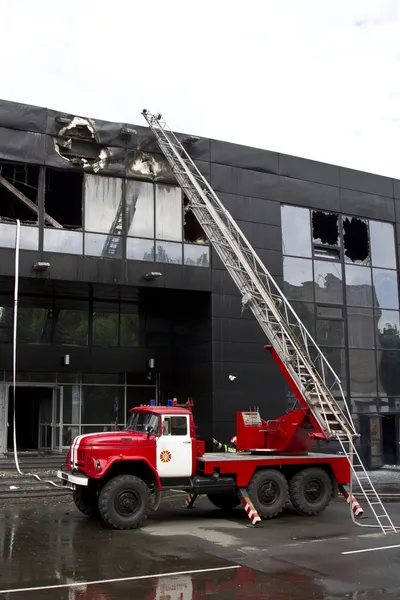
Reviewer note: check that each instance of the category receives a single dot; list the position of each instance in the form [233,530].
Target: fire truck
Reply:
[119,476]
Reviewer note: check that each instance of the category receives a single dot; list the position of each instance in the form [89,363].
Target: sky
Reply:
[313,78]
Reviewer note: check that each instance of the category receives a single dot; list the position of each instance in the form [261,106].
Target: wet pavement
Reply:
[51,551]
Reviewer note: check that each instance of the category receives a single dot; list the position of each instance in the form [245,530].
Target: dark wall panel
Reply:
[262,236]
[396,187]
[244,182]
[237,330]
[366,205]
[309,194]
[243,156]
[272,259]
[366,182]
[22,146]
[310,170]
[23,117]
[256,210]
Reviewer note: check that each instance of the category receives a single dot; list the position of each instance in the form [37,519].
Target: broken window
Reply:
[325,231]
[19,193]
[356,241]
[63,199]
[140,209]
[168,213]
[192,230]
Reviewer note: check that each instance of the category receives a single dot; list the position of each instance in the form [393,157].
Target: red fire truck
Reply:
[120,475]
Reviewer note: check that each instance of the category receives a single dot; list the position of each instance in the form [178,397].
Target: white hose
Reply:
[16,282]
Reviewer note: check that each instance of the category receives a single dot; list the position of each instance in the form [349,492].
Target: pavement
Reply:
[48,550]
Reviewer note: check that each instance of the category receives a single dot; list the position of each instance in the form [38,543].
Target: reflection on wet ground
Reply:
[53,546]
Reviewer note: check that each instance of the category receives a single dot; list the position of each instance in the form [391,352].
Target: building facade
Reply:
[122,300]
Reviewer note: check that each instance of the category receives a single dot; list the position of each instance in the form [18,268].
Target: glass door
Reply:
[57,420]
[45,422]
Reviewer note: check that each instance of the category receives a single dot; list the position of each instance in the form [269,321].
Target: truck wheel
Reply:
[87,501]
[124,502]
[268,490]
[226,501]
[310,491]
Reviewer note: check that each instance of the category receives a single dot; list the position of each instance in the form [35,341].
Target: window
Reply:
[358,285]
[328,282]
[29,236]
[387,329]
[168,213]
[129,325]
[144,423]
[71,323]
[138,249]
[168,252]
[175,426]
[296,231]
[192,230]
[19,193]
[325,230]
[382,245]
[360,323]
[363,375]
[139,209]
[102,405]
[297,276]
[330,326]
[103,204]
[356,241]
[197,256]
[385,288]
[105,324]
[61,240]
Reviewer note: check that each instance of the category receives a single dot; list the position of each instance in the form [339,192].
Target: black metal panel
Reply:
[244,182]
[228,306]
[366,205]
[187,278]
[366,182]
[306,193]
[239,352]
[397,209]
[262,236]
[237,330]
[310,170]
[272,259]
[396,188]
[22,146]
[24,117]
[250,379]
[256,210]
[204,168]
[222,283]
[245,157]
[27,259]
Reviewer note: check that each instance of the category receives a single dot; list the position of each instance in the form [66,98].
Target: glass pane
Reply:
[29,236]
[360,324]
[32,325]
[197,256]
[139,208]
[387,329]
[297,276]
[68,434]
[71,327]
[363,377]
[168,252]
[168,213]
[296,231]
[140,249]
[129,326]
[385,287]
[336,357]
[358,285]
[388,372]
[356,241]
[63,240]
[71,403]
[330,331]
[107,246]
[105,324]
[103,204]
[382,245]
[102,404]
[328,280]
[305,312]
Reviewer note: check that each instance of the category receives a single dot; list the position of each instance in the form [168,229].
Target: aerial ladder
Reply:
[316,386]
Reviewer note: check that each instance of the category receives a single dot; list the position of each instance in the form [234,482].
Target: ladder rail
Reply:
[211,212]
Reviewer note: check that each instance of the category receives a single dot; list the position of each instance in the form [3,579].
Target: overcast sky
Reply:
[314,78]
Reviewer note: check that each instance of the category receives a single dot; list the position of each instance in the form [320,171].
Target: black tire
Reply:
[310,491]
[124,502]
[226,501]
[87,501]
[268,491]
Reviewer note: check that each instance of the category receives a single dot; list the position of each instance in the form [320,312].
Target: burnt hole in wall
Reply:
[63,198]
[356,240]
[78,142]
[193,232]
[19,192]
[325,229]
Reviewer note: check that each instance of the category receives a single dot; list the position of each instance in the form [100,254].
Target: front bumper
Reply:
[67,477]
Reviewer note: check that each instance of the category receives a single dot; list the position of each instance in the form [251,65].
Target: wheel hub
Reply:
[126,503]
[313,491]
[268,493]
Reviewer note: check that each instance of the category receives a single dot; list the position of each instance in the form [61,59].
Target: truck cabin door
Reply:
[174,447]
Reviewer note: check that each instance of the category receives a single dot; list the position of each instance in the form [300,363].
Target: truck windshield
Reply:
[143,423]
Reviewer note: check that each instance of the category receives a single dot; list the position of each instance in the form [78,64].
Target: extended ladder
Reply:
[305,363]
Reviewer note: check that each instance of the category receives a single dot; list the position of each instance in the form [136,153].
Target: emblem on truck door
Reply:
[165,456]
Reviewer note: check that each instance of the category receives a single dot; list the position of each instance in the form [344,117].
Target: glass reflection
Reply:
[330,326]
[297,276]
[197,256]
[306,314]
[358,285]
[296,231]
[63,240]
[387,329]
[389,372]
[29,236]
[168,252]
[72,327]
[360,326]
[169,210]
[140,208]
[363,372]
[337,360]
[385,287]
[105,324]
[328,280]
[108,246]
[382,244]
[137,249]
[103,204]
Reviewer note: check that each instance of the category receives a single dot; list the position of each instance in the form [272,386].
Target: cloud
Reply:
[310,78]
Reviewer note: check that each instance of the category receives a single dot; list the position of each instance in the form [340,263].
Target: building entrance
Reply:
[37,417]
